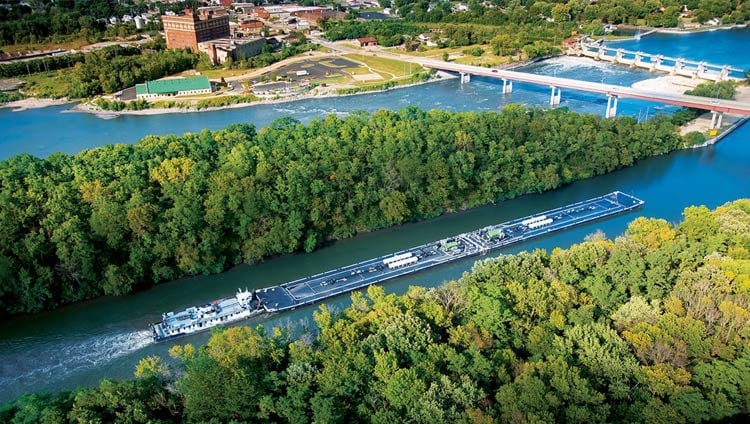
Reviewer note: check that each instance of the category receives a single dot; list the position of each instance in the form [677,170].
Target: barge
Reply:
[308,290]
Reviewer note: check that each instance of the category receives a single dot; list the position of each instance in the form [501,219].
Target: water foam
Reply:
[60,356]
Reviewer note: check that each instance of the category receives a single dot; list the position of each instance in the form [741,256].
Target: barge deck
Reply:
[308,290]
[316,288]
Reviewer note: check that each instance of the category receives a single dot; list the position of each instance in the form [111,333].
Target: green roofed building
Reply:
[173,87]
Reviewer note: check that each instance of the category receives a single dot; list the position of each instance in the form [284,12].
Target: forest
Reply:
[122,217]
[652,326]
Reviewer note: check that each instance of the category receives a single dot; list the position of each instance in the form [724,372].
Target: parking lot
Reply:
[316,69]
[290,77]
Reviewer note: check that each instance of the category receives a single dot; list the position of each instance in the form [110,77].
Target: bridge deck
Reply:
[684,100]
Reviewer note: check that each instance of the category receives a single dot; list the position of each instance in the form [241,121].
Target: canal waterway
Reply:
[81,344]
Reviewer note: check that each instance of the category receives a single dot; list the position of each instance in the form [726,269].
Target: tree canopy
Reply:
[653,326]
[121,217]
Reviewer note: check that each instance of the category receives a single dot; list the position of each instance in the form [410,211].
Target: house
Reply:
[224,48]
[367,41]
[315,16]
[251,26]
[261,13]
[173,87]
[290,39]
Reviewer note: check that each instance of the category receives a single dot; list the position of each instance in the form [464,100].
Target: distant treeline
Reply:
[510,39]
[651,327]
[120,217]
[658,13]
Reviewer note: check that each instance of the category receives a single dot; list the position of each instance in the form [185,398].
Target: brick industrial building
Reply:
[186,31]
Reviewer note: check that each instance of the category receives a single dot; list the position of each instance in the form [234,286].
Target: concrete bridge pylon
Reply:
[507,86]
[716,119]
[611,111]
[554,99]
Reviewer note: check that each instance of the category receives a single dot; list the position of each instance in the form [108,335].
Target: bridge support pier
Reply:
[724,74]
[656,61]
[507,86]
[700,70]
[554,99]
[611,111]
[601,53]
[716,120]
[678,65]
[465,78]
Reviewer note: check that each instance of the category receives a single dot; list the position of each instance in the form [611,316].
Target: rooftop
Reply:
[172,85]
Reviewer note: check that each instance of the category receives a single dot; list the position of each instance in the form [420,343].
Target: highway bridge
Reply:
[613,92]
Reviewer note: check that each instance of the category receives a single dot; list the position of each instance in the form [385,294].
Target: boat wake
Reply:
[569,65]
[31,363]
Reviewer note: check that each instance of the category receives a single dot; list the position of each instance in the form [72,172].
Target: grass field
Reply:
[52,84]
[357,71]
[215,74]
[388,68]
[456,54]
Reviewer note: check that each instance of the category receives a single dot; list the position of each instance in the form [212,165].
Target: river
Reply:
[83,343]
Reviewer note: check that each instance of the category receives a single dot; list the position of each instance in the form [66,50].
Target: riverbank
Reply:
[34,103]
[317,93]
[673,84]
[737,122]
[675,31]
[668,84]
[681,31]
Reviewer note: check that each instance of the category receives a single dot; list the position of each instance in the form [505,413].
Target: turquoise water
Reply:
[67,131]
[83,343]
[719,47]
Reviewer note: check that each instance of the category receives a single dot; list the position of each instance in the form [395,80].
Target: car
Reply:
[494,70]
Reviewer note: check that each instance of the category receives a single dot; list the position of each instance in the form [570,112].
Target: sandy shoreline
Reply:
[673,84]
[670,84]
[34,103]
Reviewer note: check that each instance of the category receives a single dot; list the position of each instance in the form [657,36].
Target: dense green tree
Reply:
[519,338]
[118,218]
